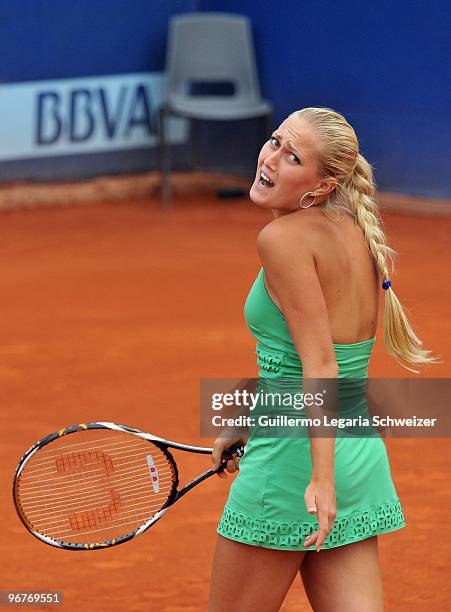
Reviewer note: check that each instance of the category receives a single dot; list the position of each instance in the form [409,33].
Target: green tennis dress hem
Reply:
[356,526]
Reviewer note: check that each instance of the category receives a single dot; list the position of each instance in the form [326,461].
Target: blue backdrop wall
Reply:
[51,39]
[385,65]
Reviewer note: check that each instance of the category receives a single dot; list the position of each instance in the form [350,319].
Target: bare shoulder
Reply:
[295,233]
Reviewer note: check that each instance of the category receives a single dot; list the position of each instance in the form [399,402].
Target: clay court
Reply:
[114,311]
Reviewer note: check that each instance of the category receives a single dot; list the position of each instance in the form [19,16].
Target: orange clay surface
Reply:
[114,312]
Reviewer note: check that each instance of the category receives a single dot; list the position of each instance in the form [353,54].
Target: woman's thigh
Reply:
[249,578]
[344,578]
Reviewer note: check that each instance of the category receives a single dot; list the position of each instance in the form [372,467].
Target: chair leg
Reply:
[165,162]
[192,126]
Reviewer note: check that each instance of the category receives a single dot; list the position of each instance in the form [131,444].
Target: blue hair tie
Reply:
[386,285]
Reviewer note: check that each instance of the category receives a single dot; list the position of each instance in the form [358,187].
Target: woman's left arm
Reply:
[287,255]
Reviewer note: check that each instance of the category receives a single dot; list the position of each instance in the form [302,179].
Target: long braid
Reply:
[400,340]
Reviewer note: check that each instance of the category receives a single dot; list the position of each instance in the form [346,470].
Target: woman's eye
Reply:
[291,156]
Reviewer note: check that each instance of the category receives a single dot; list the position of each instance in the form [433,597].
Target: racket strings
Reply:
[48,459]
[99,530]
[103,483]
[96,514]
[48,517]
[99,511]
[93,443]
[80,522]
[92,491]
[46,499]
[91,502]
[132,499]
[61,479]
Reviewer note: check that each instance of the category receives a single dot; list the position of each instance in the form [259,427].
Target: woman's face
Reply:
[287,167]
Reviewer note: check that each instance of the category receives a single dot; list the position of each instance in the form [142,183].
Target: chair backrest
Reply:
[208,48]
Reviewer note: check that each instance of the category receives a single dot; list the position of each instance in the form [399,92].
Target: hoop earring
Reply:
[311,203]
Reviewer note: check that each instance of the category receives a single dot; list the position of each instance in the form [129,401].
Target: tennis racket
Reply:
[98,485]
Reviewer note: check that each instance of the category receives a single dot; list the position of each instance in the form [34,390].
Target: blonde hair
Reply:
[338,156]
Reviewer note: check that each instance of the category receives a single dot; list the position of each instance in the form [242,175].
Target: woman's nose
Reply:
[272,160]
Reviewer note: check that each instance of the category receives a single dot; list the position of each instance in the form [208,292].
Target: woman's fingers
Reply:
[332,517]
[324,528]
[322,535]
[310,539]
[316,538]
[218,449]
[231,467]
[233,464]
[219,456]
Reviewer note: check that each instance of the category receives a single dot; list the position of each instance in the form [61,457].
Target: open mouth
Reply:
[265,181]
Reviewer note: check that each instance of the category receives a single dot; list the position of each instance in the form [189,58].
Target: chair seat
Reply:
[218,108]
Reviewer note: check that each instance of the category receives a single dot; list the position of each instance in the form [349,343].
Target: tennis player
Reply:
[313,310]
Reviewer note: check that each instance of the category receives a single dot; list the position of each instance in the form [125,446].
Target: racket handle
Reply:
[237,450]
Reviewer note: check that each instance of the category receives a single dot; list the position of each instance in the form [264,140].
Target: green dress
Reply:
[266,501]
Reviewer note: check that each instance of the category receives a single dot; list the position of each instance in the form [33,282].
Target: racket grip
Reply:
[233,450]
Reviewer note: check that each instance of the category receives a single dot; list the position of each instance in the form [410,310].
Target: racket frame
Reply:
[162,444]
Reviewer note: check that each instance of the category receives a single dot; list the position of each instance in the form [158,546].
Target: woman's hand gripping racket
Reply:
[100,486]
